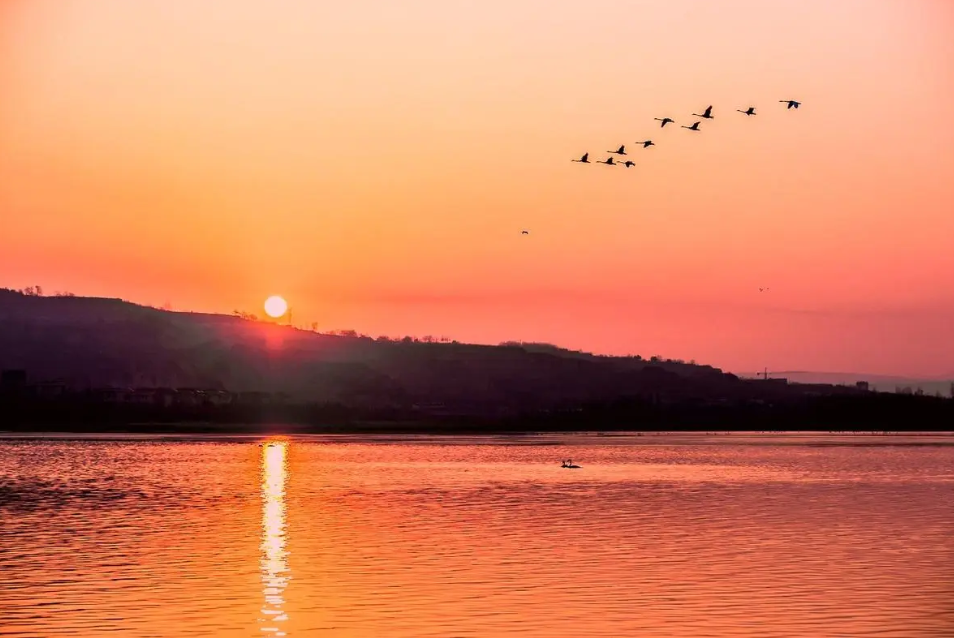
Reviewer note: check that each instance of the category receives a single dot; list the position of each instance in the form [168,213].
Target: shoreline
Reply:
[864,412]
[443,430]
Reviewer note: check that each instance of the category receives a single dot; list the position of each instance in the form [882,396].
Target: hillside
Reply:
[95,342]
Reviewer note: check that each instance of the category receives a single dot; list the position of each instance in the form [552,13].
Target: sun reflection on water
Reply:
[275,572]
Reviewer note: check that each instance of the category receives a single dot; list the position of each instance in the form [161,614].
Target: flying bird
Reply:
[524,232]
[763,289]
[791,103]
[620,151]
[706,114]
[748,111]
[629,164]
[665,121]
[609,162]
[647,143]
[694,127]
[585,159]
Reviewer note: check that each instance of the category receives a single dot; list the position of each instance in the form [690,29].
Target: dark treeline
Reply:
[867,412]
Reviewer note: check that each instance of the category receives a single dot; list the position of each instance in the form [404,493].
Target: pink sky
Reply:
[374,163]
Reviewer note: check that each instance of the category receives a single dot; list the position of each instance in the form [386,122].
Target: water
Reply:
[422,536]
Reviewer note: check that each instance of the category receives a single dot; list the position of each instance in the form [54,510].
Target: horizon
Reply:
[384,187]
[284,322]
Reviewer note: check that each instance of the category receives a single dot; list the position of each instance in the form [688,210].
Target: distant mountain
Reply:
[882,383]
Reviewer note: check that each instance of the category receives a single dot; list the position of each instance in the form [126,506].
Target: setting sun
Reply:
[275,306]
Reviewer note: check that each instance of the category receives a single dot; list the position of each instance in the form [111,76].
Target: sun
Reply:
[275,306]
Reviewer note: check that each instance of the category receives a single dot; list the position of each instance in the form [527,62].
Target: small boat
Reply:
[568,465]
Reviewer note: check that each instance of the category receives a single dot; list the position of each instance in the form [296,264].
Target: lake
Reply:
[658,535]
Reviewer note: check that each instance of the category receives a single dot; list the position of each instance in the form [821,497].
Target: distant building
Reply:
[111,395]
[216,397]
[862,385]
[188,397]
[48,389]
[143,396]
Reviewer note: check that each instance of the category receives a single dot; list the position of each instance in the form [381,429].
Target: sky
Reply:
[375,162]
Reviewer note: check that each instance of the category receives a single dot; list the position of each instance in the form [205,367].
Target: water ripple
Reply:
[428,537]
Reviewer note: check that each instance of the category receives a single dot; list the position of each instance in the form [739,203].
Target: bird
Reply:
[647,143]
[629,164]
[706,114]
[608,162]
[694,127]
[763,289]
[620,151]
[665,121]
[748,111]
[791,103]
[524,232]
[585,159]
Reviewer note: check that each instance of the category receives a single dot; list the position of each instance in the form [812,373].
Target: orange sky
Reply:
[374,162]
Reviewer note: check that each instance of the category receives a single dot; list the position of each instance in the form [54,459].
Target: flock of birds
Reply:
[663,121]
[706,115]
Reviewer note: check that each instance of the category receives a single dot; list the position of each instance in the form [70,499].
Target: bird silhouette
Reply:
[647,143]
[524,232]
[620,151]
[665,121]
[585,159]
[706,114]
[748,111]
[763,289]
[694,127]
[629,164]
[791,103]
[609,162]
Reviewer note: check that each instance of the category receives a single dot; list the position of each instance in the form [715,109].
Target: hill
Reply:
[83,357]
[96,342]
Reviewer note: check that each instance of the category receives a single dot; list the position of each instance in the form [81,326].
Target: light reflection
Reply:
[275,572]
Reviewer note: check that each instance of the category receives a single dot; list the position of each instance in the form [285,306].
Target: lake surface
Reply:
[655,536]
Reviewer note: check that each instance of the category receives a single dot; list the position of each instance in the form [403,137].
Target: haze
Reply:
[375,162]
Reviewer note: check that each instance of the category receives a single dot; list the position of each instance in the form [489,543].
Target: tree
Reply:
[314,326]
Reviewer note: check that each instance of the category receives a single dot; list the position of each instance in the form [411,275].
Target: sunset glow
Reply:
[275,306]
[375,157]
[273,563]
